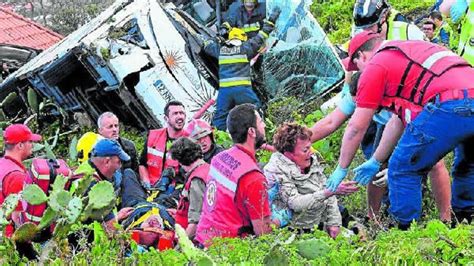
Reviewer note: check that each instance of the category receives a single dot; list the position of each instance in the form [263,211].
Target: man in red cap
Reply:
[18,142]
[430,90]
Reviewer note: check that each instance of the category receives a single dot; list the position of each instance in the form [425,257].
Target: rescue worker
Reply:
[109,128]
[379,17]
[85,144]
[430,90]
[189,155]
[155,161]
[105,159]
[457,10]
[235,84]
[443,33]
[236,200]
[201,132]
[18,145]
[247,15]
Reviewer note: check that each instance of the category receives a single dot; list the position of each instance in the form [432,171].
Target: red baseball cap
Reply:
[17,133]
[356,42]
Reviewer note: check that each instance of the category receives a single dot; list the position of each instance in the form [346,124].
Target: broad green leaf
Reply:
[58,201]
[10,203]
[25,232]
[59,183]
[74,209]
[48,216]
[34,195]
[101,195]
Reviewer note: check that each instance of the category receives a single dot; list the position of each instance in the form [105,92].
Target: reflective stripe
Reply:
[32,217]
[263,34]
[237,81]
[430,61]
[227,183]
[232,59]
[251,27]
[38,176]
[155,152]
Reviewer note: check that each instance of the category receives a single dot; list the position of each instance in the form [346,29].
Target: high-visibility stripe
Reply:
[251,27]
[237,81]
[38,176]
[221,179]
[430,61]
[155,152]
[232,59]
[32,217]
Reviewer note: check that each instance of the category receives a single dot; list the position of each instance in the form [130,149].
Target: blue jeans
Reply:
[227,99]
[438,129]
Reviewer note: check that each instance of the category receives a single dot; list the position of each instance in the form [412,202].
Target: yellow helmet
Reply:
[85,144]
[239,34]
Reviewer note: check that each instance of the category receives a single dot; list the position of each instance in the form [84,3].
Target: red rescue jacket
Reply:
[220,215]
[425,63]
[201,171]
[156,149]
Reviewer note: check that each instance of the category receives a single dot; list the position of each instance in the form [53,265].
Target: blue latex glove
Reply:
[366,171]
[457,11]
[283,216]
[336,178]
[273,192]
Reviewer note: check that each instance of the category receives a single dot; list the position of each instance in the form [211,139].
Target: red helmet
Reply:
[198,128]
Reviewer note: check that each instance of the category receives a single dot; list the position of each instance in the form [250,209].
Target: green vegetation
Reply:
[428,243]
[335,17]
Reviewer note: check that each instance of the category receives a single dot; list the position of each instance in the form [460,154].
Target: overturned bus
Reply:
[139,54]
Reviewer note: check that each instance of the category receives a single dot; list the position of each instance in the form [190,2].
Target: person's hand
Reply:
[268,26]
[382,178]
[336,178]
[346,188]
[283,216]
[333,231]
[124,213]
[268,147]
[275,14]
[457,10]
[365,172]
[146,185]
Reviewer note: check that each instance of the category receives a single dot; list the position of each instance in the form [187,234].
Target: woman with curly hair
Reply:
[301,182]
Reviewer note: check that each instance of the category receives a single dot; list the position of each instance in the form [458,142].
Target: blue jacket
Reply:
[234,61]
[237,16]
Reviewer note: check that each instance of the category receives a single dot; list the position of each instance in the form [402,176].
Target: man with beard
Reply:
[155,162]
[236,199]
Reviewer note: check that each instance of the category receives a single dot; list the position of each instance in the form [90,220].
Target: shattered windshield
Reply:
[299,43]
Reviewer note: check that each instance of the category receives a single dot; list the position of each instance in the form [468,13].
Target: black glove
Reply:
[268,27]
[275,14]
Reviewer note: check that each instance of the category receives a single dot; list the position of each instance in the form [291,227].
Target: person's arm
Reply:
[333,215]
[328,124]
[142,167]
[301,202]
[253,195]
[353,135]
[14,183]
[211,48]
[196,194]
[391,134]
